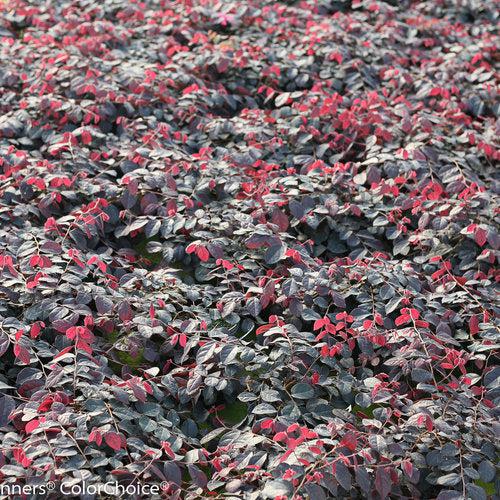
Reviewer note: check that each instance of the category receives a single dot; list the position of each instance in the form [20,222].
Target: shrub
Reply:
[249,249]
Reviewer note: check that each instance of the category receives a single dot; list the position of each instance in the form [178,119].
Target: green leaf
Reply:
[302,391]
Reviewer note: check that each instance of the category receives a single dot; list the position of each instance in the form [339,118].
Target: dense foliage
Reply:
[248,248]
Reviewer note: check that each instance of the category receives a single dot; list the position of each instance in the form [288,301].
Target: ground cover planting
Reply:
[248,249]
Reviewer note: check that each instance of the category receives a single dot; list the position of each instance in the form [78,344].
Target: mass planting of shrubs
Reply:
[248,248]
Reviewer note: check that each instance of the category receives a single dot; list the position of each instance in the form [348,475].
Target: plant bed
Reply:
[249,249]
